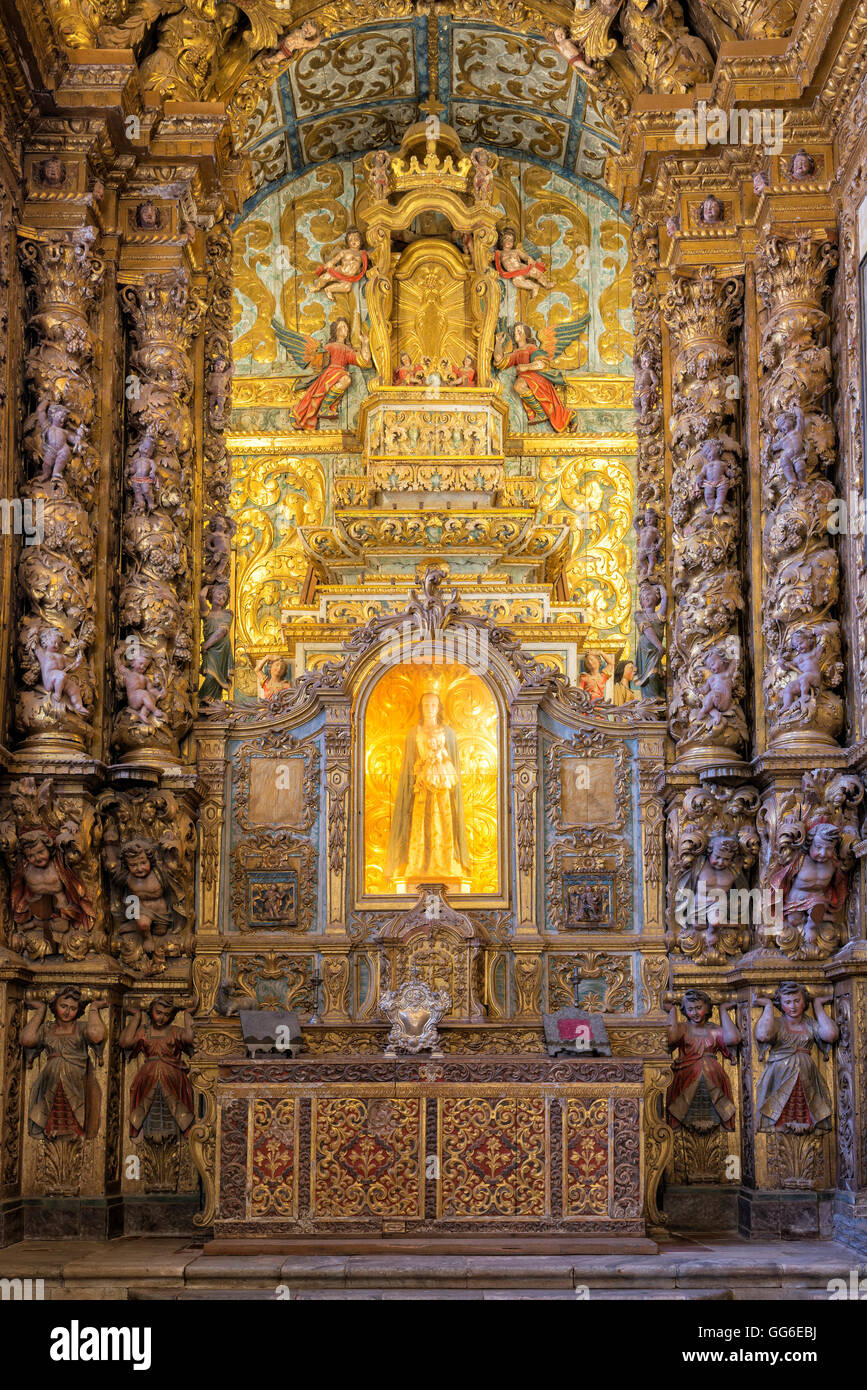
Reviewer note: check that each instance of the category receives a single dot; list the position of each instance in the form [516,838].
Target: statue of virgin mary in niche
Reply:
[428,841]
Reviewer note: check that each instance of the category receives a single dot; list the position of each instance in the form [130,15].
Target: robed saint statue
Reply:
[428,832]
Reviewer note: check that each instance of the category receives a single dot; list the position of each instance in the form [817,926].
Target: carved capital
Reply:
[794,271]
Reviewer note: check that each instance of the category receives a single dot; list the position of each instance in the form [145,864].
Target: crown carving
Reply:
[411,173]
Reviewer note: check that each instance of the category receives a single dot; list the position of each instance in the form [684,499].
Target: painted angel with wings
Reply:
[536,382]
[330,362]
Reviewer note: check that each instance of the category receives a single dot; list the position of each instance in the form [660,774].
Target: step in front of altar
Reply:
[413,1146]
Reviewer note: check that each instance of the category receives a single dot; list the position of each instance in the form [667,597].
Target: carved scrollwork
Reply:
[202,1139]
[658,1144]
[615,972]
[596,853]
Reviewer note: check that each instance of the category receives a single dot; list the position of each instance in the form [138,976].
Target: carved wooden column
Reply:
[218,528]
[11,315]
[654,965]
[706,652]
[848,973]
[58,573]
[154,655]
[648,399]
[524,720]
[207,964]
[337,849]
[800,571]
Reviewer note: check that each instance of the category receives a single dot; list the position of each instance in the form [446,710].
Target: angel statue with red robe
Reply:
[536,382]
[322,394]
[700,1095]
[160,1097]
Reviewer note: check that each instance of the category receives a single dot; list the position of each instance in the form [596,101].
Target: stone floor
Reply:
[175,1268]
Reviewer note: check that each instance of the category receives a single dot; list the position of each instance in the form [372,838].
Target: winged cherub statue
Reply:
[330,362]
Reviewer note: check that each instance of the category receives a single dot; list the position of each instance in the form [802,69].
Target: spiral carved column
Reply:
[706,650]
[152,661]
[801,583]
[56,568]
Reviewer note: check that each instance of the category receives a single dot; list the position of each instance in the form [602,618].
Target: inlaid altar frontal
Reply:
[378,1146]
[431,781]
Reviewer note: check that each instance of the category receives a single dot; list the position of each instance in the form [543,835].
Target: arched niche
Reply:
[399,837]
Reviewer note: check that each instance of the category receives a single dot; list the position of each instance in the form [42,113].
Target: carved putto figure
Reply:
[717,475]
[792,1097]
[217,544]
[141,693]
[346,268]
[717,693]
[813,882]
[483,175]
[791,445]
[710,878]
[302,39]
[65,1098]
[516,265]
[809,838]
[45,838]
[571,52]
[803,655]
[147,851]
[161,1104]
[801,166]
[148,217]
[713,849]
[700,1095]
[380,165]
[142,472]
[55,668]
[648,543]
[52,172]
[51,911]
[219,379]
[710,211]
[59,444]
[646,389]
